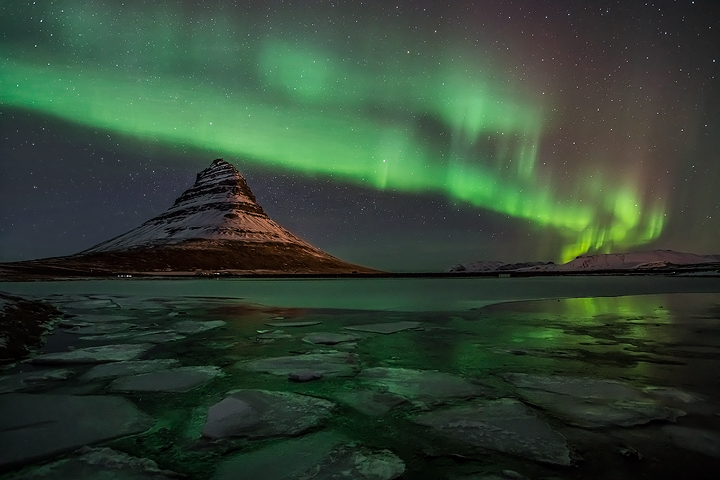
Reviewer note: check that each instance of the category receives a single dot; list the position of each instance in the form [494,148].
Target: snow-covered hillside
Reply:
[495,266]
[635,260]
[648,260]
[219,206]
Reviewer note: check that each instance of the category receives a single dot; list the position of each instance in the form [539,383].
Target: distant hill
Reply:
[495,266]
[635,260]
[652,260]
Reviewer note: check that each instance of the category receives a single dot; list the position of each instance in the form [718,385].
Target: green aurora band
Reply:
[451,129]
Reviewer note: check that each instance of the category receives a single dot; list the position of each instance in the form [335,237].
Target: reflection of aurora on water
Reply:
[550,329]
[635,307]
[431,121]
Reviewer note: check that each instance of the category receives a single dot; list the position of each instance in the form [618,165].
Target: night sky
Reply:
[405,136]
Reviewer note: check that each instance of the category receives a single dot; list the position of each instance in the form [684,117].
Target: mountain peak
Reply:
[220,183]
[221,172]
[219,206]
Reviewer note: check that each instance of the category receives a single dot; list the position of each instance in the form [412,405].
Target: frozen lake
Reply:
[462,378]
[401,294]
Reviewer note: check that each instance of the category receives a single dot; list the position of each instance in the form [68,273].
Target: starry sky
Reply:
[405,136]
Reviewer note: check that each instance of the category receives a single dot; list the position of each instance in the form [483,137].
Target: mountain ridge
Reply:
[631,261]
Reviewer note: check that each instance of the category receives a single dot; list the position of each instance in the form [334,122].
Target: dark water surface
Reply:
[587,350]
[403,294]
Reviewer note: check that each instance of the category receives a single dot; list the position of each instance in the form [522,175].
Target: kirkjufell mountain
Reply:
[216,225]
[219,207]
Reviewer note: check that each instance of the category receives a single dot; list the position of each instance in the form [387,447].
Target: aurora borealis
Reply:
[498,130]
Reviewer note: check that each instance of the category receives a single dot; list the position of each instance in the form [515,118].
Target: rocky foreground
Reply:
[23,326]
[212,388]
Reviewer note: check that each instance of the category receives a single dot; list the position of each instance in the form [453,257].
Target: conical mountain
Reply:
[215,225]
[218,207]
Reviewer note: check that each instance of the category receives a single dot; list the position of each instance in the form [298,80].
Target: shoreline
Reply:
[400,293]
[5,276]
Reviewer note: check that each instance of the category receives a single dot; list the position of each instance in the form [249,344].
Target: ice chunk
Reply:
[576,386]
[180,379]
[588,402]
[371,403]
[99,463]
[262,413]
[135,367]
[102,354]
[291,324]
[336,364]
[192,326]
[504,425]
[385,327]
[425,386]
[35,427]
[153,336]
[325,338]
[100,328]
[323,455]
[20,381]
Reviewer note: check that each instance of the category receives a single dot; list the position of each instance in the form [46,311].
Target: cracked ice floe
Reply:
[318,455]
[34,427]
[334,364]
[385,327]
[102,354]
[181,379]
[262,413]
[504,425]
[133,367]
[588,402]
[329,338]
[98,463]
[420,386]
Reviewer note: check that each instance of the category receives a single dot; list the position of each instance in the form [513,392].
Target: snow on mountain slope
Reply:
[649,260]
[625,261]
[494,266]
[219,206]
[479,266]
